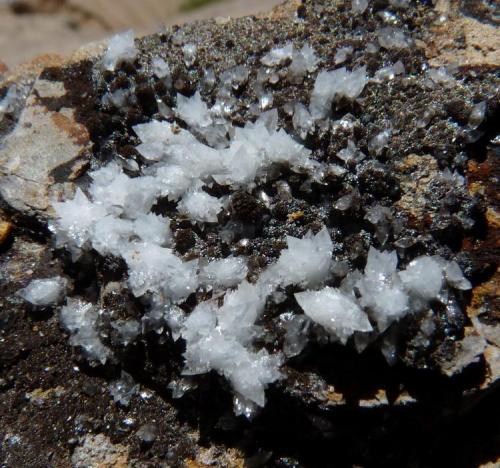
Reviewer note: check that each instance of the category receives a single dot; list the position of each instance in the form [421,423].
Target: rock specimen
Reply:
[265,237]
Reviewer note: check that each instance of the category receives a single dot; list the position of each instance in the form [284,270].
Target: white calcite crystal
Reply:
[351,154]
[200,206]
[378,142]
[44,292]
[220,339]
[110,235]
[381,290]
[121,194]
[440,75]
[124,389]
[477,114]
[153,228]
[391,37]
[302,120]
[189,52]
[225,273]
[342,54]
[158,270]
[121,48]
[306,262]
[76,219]
[128,330]
[359,6]
[455,278]
[335,311]
[389,72]
[80,319]
[234,77]
[296,338]
[423,277]
[278,55]
[193,110]
[303,61]
[333,85]
[160,67]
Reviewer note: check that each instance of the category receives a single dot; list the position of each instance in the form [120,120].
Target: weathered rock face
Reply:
[413,395]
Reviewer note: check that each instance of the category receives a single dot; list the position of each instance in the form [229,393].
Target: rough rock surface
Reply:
[437,405]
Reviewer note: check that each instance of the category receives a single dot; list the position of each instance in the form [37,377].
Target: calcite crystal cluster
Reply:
[253,206]
[198,151]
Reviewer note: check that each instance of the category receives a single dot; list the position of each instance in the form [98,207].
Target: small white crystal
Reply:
[302,120]
[305,262]
[157,269]
[423,277]
[119,193]
[346,202]
[225,273]
[393,38]
[76,219]
[193,110]
[335,311]
[198,205]
[332,85]
[235,77]
[121,48]
[342,53]
[181,386]
[265,101]
[153,228]
[80,318]
[127,329]
[381,290]
[303,61]
[147,433]
[189,53]
[359,6]
[381,218]
[218,339]
[440,75]
[241,309]
[385,73]
[351,154]
[377,144]
[477,114]
[175,318]
[296,334]
[44,292]
[173,181]
[455,278]
[160,67]
[111,235]
[278,55]
[124,389]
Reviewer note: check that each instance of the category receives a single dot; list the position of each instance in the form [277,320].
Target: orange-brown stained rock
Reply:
[232,458]
[464,41]
[5,230]
[32,68]
[78,133]
[98,451]
[483,179]
[417,172]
